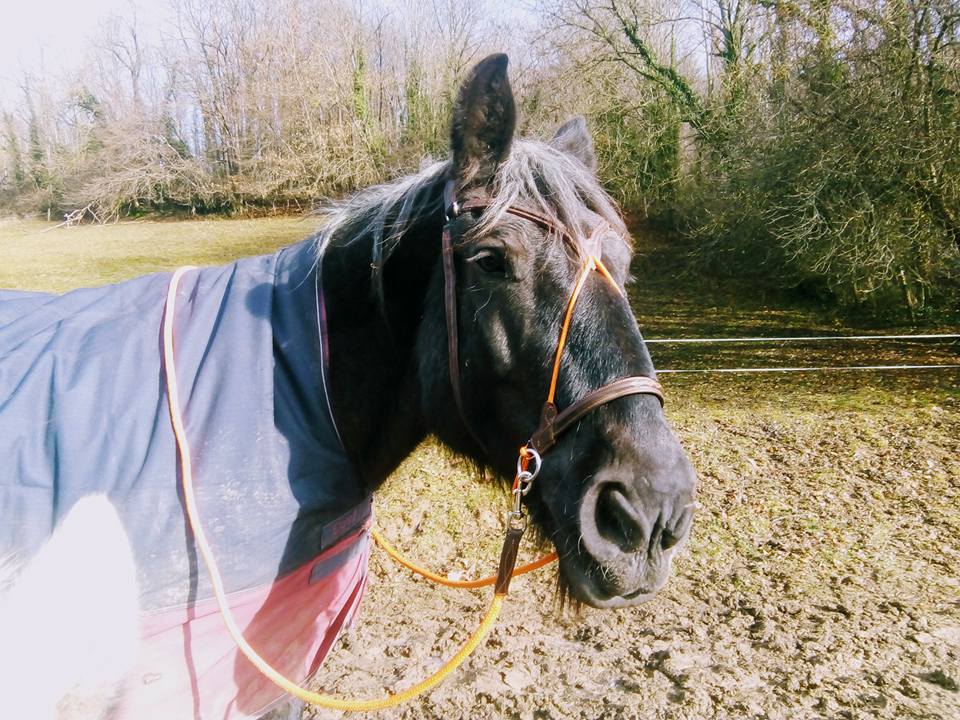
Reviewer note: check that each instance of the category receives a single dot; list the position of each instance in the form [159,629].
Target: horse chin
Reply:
[584,586]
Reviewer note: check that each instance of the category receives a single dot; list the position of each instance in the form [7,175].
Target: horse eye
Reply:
[490,261]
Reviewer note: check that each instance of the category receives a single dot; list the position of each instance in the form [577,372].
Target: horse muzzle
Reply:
[630,529]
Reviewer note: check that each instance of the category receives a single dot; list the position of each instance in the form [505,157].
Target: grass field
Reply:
[36,255]
[821,578]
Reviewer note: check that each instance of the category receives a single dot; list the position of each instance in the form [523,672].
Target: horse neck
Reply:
[374,387]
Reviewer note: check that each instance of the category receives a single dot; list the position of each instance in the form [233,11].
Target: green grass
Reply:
[40,256]
[670,301]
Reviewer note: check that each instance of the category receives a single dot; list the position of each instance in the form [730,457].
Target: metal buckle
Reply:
[529,452]
[524,482]
[517,495]
[452,211]
[451,208]
[516,518]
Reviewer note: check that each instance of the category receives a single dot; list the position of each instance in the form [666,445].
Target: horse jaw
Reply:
[69,623]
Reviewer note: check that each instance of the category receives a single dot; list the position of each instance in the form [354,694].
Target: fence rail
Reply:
[808,338]
[811,368]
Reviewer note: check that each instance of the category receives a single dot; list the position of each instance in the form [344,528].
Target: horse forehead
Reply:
[589,231]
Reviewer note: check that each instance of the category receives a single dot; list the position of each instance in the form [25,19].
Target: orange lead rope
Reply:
[441,580]
[508,556]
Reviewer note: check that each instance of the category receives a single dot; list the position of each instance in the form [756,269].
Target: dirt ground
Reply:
[821,580]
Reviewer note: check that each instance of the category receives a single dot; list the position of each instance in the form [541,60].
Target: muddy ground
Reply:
[821,580]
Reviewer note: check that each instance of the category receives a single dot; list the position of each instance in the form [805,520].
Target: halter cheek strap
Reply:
[554,422]
[453,340]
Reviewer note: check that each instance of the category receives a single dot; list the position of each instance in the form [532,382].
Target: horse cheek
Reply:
[496,338]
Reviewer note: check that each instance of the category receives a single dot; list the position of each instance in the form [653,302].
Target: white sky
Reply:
[51,36]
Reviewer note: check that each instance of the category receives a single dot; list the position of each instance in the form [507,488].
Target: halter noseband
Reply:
[553,422]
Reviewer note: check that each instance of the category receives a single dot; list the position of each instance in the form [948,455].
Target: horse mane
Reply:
[535,175]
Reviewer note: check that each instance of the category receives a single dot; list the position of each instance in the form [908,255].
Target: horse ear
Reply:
[483,122]
[573,138]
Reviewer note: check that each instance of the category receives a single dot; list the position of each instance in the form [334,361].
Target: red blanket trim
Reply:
[189,668]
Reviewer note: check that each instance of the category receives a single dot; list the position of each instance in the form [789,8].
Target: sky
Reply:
[53,35]
[47,37]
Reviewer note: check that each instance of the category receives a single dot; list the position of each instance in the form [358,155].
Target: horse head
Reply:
[615,494]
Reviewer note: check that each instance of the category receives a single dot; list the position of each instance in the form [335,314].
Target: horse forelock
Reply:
[534,175]
[541,177]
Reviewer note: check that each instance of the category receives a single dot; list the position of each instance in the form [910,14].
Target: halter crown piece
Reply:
[553,422]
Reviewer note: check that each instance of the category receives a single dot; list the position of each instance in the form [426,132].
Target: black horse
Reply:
[356,330]
[615,495]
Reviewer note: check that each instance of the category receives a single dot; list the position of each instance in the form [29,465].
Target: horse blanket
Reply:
[83,410]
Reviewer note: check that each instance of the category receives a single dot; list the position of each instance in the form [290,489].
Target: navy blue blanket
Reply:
[83,410]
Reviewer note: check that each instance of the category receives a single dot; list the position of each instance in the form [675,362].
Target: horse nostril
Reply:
[675,531]
[618,521]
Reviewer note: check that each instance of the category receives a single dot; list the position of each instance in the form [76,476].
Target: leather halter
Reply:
[553,422]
